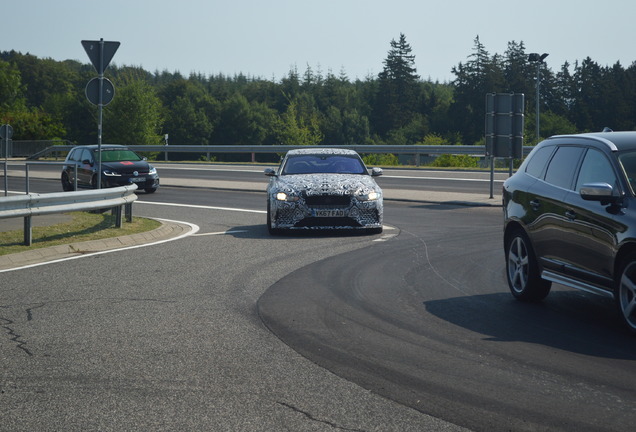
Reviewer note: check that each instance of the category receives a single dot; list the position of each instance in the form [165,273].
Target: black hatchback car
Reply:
[570,218]
[120,167]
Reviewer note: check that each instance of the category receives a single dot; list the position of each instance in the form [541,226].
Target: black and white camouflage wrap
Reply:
[324,200]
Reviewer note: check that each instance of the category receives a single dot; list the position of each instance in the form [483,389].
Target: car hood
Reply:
[127,166]
[324,184]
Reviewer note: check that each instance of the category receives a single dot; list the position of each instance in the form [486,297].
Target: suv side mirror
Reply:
[375,172]
[270,172]
[602,192]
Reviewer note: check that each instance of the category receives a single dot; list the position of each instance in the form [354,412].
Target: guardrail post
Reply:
[28,232]
[129,212]
[117,211]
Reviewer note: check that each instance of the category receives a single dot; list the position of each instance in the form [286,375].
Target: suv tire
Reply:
[522,269]
[625,294]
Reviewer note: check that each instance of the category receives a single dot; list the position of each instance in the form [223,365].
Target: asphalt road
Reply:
[232,329]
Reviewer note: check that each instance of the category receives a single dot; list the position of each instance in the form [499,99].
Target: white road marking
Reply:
[194,230]
[219,233]
[201,207]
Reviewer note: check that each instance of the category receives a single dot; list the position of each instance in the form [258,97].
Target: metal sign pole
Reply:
[6,132]
[100,53]
[492,176]
[6,160]
[99,113]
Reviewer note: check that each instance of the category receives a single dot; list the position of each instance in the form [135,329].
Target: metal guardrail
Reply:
[416,150]
[26,148]
[26,168]
[35,204]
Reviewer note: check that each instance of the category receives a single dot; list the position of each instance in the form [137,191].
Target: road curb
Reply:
[167,230]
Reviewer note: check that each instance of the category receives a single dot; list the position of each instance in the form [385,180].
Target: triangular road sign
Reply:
[100,53]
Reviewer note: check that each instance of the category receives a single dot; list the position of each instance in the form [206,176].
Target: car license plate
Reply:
[137,179]
[329,213]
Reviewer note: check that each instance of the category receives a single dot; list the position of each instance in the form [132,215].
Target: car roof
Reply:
[321,151]
[616,141]
[104,146]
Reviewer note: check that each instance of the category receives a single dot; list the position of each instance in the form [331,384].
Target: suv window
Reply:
[537,163]
[628,161]
[563,166]
[596,169]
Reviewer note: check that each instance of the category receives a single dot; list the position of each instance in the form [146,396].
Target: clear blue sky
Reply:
[267,38]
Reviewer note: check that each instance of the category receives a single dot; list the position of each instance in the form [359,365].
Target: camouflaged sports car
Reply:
[323,188]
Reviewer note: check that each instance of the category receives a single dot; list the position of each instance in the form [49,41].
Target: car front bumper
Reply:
[149,181]
[299,215]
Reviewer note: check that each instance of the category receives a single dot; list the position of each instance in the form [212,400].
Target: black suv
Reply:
[120,167]
[570,218]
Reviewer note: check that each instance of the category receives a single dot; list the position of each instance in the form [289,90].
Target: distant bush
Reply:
[456,161]
[434,140]
[381,159]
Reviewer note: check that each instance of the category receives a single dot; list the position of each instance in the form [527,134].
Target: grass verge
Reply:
[83,226]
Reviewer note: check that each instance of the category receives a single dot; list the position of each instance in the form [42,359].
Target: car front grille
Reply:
[328,201]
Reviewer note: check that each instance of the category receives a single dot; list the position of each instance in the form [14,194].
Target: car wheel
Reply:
[375,230]
[272,231]
[625,294]
[66,183]
[522,269]
[151,190]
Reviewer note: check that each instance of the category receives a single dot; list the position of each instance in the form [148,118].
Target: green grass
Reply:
[83,226]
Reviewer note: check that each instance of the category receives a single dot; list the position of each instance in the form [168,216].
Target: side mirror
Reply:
[376,172]
[87,162]
[602,192]
[270,172]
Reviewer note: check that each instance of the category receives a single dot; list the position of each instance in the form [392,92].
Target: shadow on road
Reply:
[567,320]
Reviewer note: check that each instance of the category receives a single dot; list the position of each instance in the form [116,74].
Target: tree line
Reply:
[44,99]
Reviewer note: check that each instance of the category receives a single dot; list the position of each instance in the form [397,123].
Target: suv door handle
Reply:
[535,204]
[570,214]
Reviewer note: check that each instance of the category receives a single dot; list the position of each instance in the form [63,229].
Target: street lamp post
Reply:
[538,59]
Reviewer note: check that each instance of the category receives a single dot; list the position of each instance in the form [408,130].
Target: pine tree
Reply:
[398,91]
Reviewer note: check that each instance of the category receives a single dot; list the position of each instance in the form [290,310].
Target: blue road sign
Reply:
[92,91]
[100,53]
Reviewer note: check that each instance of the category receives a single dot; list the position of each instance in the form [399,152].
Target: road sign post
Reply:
[6,132]
[504,129]
[100,91]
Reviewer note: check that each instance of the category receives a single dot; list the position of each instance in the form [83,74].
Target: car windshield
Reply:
[116,155]
[323,164]
[628,161]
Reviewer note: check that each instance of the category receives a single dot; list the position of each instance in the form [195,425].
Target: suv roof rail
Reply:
[590,136]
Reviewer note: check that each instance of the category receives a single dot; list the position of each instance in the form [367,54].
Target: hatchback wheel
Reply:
[522,270]
[626,292]
[66,183]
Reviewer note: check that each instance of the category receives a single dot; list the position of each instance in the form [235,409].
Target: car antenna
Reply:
[606,129]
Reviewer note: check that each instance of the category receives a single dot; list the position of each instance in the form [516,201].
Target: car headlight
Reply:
[282,196]
[152,170]
[371,196]
[111,173]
